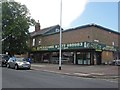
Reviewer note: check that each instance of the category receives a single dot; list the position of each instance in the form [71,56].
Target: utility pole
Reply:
[60,35]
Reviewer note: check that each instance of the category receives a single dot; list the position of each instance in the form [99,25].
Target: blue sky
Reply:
[75,13]
[101,13]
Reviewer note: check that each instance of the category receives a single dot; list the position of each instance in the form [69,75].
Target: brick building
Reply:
[90,44]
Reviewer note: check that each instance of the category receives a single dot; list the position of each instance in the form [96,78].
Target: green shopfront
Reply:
[84,53]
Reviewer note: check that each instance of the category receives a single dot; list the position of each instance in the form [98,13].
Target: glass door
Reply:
[83,58]
[79,58]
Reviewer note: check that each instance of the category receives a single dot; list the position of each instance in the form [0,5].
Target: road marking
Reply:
[115,81]
[81,74]
[97,73]
[38,65]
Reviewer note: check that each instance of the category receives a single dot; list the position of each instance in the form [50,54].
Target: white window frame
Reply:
[33,42]
[113,43]
[39,41]
[57,30]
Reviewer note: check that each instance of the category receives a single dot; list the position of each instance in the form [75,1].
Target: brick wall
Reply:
[105,36]
[69,37]
[50,40]
[80,35]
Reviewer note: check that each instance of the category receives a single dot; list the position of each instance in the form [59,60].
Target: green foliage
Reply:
[16,21]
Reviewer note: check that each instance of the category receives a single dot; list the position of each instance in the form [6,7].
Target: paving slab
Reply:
[94,71]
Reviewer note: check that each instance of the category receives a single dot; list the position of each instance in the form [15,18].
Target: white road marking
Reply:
[81,74]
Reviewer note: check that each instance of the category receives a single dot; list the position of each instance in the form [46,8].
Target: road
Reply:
[38,79]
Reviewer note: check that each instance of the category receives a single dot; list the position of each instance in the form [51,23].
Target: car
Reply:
[18,63]
[5,59]
[116,62]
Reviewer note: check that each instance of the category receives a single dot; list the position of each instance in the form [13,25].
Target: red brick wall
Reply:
[69,37]
[84,34]
[105,36]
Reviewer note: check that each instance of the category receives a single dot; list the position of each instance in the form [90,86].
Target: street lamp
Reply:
[60,34]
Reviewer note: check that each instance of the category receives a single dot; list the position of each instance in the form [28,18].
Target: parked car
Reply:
[115,62]
[5,59]
[18,63]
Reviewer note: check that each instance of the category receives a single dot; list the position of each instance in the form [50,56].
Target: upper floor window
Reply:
[33,43]
[113,43]
[39,41]
[57,30]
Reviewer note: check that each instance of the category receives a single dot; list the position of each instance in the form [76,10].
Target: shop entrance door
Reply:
[98,58]
[83,58]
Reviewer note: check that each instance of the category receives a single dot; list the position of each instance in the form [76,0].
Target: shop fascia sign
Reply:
[71,45]
[96,46]
[100,47]
[109,48]
[56,47]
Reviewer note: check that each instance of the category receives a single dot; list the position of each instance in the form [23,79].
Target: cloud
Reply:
[48,11]
[72,9]
[104,0]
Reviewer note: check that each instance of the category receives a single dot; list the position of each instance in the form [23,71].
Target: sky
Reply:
[74,12]
[100,13]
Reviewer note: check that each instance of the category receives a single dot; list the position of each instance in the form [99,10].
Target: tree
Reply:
[16,21]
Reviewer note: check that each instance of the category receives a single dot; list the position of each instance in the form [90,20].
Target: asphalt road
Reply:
[38,79]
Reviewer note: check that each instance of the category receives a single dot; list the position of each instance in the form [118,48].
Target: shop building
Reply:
[87,45]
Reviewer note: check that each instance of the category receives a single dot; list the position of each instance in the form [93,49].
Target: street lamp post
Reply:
[60,34]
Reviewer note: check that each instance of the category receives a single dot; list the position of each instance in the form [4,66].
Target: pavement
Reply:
[92,71]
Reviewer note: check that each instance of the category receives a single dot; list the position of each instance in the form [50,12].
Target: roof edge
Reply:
[93,25]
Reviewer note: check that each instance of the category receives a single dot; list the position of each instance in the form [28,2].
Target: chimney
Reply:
[37,26]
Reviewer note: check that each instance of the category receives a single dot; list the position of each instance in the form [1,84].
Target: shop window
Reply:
[88,58]
[83,58]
